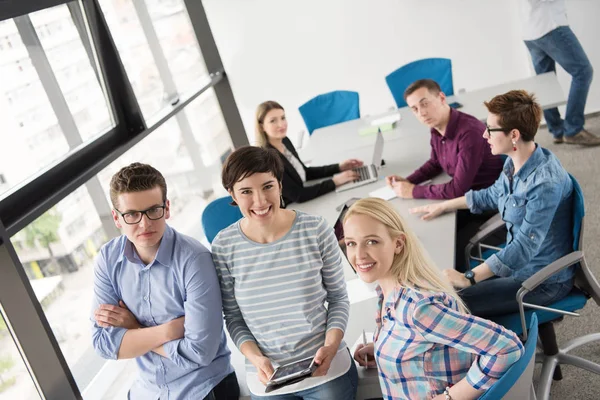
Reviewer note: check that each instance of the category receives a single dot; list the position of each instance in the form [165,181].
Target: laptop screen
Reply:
[338,228]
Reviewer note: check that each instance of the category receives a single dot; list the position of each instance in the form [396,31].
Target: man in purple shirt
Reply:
[457,148]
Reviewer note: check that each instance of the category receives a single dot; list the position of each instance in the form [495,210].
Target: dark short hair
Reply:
[431,85]
[250,160]
[517,109]
[136,177]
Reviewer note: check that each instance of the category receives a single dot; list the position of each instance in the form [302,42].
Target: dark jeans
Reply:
[467,225]
[562,46]
[227,389]
[497,296]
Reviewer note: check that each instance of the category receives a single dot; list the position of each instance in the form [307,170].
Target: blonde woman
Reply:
[426,344]
[271,131]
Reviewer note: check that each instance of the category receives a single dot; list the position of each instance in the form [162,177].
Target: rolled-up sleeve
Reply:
[496,348]
[203,316]
[332,272]
[471,149]
[483,200]
[106,341]
[543,199]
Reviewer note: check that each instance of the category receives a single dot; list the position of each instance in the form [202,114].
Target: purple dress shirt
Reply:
[463,154]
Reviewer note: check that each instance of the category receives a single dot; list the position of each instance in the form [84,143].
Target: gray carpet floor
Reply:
[584,165]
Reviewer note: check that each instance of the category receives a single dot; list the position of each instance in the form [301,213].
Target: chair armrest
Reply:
[490,226]
[493,220]
[564,262]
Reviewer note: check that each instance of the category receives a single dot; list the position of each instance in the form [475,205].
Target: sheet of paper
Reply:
[385,193]
[388,119]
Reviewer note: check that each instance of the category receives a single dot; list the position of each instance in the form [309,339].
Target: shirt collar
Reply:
[537,158]
[163,255]
[451,127]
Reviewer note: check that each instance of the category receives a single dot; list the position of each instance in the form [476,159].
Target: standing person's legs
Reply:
[543,63]
[562,45]
[497,296]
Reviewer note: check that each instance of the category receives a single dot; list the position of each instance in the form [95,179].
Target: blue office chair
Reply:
[217,215]
[586,287]
[438,69]
[516,383]
[329,109]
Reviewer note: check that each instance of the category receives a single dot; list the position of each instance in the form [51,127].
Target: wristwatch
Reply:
[471,277]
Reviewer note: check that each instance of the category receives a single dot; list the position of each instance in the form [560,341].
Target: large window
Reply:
[55,110]
[50,98]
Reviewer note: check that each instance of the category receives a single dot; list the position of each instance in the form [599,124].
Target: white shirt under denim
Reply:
[542,16]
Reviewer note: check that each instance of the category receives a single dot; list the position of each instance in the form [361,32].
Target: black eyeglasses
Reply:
[134,217]
[490,130]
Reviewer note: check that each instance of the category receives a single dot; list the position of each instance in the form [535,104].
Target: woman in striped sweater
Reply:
[277,268]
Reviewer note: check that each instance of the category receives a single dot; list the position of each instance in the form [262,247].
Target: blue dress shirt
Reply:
[181,280]
[536,204]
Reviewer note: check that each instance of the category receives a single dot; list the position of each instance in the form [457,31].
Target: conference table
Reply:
[406,147]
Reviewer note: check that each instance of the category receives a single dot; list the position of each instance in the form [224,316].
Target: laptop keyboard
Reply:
[363,173]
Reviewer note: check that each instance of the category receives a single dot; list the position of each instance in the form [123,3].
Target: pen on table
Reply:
[365,343]
[427,182]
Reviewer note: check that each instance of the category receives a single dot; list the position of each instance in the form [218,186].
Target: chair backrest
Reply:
[217,215]
[438,69]
[516,382]
[329,109]
[578,214]
[584,278]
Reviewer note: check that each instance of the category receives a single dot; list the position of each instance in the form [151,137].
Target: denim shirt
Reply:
[536,204]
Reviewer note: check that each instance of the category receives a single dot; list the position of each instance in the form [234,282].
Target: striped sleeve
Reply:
[338,310]
[236,326]
[496,348]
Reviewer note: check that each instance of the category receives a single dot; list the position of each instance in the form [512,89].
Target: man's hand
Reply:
[174,329]
[430,211]
[391,179]
[350,164]
[457,279]
[108,315]
[403,189]
[323,359]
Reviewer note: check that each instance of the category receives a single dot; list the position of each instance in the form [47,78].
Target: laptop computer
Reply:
[367,173]
[338,227]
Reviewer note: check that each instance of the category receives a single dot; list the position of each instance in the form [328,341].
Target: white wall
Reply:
[291,50]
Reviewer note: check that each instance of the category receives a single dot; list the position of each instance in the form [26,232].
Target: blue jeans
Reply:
[341,388]
[497,296]
[561,46]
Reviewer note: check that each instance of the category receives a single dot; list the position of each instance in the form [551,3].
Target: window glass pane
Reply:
[135,54]
[71,65]
[210,130]
[30,131]
[15,380]
[57,252]
[50,97]
[178,41]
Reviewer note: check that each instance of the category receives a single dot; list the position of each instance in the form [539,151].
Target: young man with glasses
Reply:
[157,298]
[458,149]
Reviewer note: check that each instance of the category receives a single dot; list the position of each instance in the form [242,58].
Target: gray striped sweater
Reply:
[275,293]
